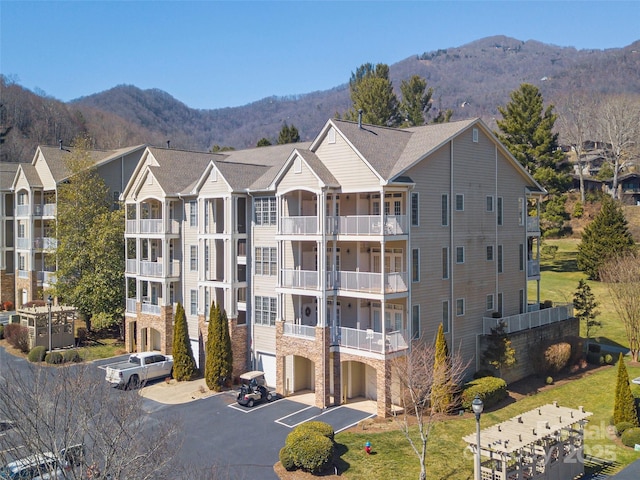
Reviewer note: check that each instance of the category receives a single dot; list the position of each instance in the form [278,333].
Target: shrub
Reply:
[71,356]
[311,452]
[322,428]
[549,381]
[17,336]
[54,358]
[8,305]
[286,459]
[622,426]
[577,348]
[37,354]
[490,389]
[549,251]
[608,359]
[578,210]
[556,357]
[631,436]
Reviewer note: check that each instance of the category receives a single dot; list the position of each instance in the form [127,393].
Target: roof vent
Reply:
[360,118]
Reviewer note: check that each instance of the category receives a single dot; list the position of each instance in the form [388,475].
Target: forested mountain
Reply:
[472,80]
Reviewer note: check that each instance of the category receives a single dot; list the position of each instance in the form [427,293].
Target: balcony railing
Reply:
[131,305]
[306,225]
[307,279]
[46,277]
[46,210]
[150,308]
[23,243]
[131,265]
[131,226]
[157,225]
[301,331]
[154,269]
[368,282]
[367,225]
[23,274]
[533,224]
[371,341]
[151,269]
[525,321]
[22,210]
[45,243]
[533,268]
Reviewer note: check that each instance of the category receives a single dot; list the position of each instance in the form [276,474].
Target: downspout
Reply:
[249,299]
[451,246]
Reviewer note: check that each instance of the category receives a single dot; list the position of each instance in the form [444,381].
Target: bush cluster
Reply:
[71,356]
[37,354]
[490,389]
[551,358]
[308,447]
[623,426]
[17,336]
[7,305]
[54,358]
[631,437]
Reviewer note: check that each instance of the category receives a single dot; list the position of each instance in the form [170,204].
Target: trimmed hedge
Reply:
[309,447]
[37,354]
[622,427]
[54,358]
[286,459]
[631,437]
[71,356]
[322,428]
[490,389]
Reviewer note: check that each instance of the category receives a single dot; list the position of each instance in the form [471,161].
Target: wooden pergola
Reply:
[544,443]
[36,319]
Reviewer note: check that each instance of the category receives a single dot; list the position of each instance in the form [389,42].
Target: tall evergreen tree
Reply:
[263,142]
[184,365]
[526,129]
[288,134]
[211,370]
[372,92]
[624,408]
[443,388]
[607,235]
[416,101]
[584,303]
[226,350]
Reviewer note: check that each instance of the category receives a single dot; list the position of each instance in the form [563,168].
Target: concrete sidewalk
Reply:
[173,392]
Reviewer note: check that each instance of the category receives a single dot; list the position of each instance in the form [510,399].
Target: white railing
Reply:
[131,305]
[533,268]
[23,243]
[131,266]
[174,268]
[302,331]
[150,309]
[23,274]
[307,279]
[304,225]
[49,210]
[367,225]
[22,210]
[151,225]
[532,319]
[45,243]
[533,224]
[372,341]
[49,278]
[131,226]
[151,269]
[367,281]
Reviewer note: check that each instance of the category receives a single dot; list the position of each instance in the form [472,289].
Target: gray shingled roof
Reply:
[318,167]
[179,169]
[241,176]
[31,174]
[7,174]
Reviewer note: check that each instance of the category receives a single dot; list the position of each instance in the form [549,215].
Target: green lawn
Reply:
[447,456]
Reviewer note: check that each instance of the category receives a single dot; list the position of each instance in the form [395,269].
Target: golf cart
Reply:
[253,389]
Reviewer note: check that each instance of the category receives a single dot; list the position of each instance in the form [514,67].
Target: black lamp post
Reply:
[49,303]
[477,406]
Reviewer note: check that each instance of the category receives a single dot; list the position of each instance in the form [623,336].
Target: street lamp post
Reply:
[477,406]
[49,303]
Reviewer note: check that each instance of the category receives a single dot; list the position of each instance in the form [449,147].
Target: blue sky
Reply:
[213,54]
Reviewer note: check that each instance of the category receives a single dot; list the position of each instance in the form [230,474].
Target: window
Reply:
[499,309]
[332,135]
[489,253]
[475,135]
[22,262]
[459,254]
[194,302]
[459,307]
[265,310]
[521,254]
[297,165]
[489,203]
[445,210]
[445,316]
[207,302]
[266,261]
[415,321]
[415,210]
[499,210]
[265,210]
[499,258]
[521,211]
[490,302]
[445,263]
[193,258]
[459,203]
[193,213]
[415,265]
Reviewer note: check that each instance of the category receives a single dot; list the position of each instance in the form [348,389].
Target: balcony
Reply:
[131,305]
[131,266]
[533,268]
[23,243]
[46,210]
[299,225]
[150,308]
[156,269]
[301,331]
[305,279]
[45,243]
[152,225]
[22,210]
[533,224]
[525,321]
[46,277]
[371,341]
[368,282]
[23,274]
[367,225]
[131,226]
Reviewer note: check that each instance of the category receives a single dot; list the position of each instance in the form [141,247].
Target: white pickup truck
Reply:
[139,368]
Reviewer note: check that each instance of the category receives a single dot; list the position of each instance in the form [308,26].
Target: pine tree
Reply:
[607,235]
[184,365]
[288,134]
[372,92]
[210,366]
[443,388]
[499,353]
[416,100]
[624,409]
[584,303]
[226,350]
[219,361]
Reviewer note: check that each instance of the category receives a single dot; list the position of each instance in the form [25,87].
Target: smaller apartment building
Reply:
[34,188]
[330,257]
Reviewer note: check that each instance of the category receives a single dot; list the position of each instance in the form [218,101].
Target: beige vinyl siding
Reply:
[149,187]
[293,181]
[48,183]
[22,184]
[264,338]
[346,166]
[215,188]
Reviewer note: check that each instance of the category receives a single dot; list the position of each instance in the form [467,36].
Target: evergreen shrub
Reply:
[631,437]
[490,389]
[622,426]
[54,358]
[286,459]
[36,354]
[71,356]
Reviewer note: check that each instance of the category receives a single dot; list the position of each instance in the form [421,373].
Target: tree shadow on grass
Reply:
[561,266]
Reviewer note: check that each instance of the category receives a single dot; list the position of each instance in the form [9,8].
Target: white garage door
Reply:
[267,363]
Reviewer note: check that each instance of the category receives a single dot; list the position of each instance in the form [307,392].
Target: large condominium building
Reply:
[34,189]
[7,271]
[330,257]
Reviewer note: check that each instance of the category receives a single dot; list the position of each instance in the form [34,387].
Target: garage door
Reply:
[267,363]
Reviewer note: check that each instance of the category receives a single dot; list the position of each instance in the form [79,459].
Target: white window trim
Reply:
[459,249]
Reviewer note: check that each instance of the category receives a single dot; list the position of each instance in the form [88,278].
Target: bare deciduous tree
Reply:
[622,276]
[54,408]
[415,374]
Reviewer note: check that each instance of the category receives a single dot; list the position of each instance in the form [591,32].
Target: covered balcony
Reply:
[149,217]
[368,282]
[535,317]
